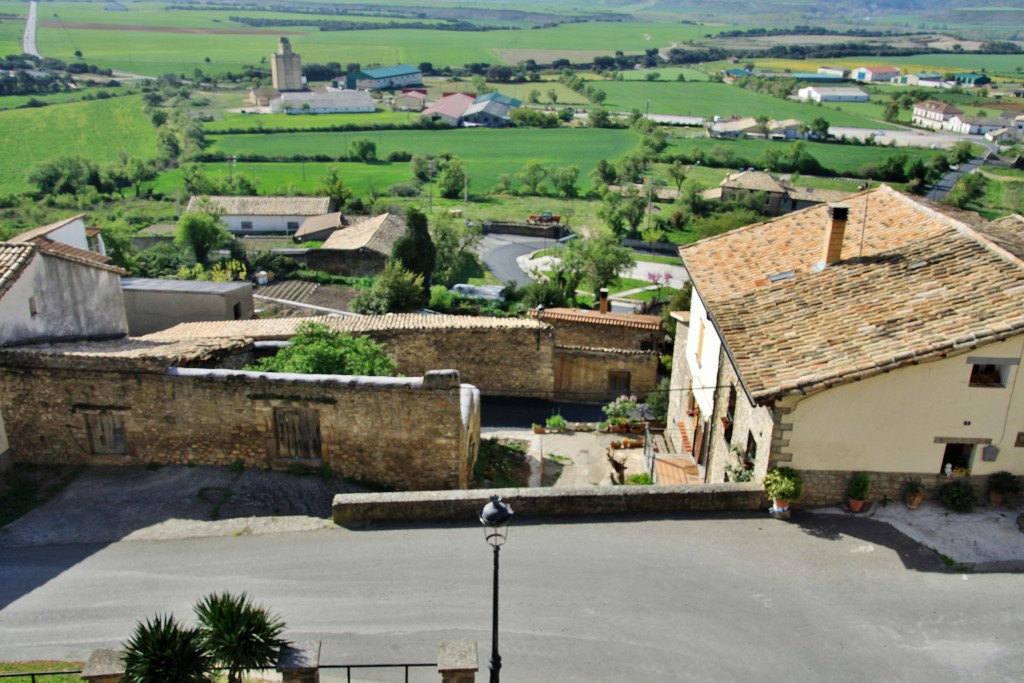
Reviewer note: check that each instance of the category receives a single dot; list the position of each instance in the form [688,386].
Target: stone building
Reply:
[181,402]
[362,248]
[883,335]
[286,68]
[152,304]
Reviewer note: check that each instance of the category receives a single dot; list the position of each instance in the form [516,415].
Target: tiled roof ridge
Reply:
[76,255]
[11,269]
[592,317]
[965,229]
[604,349]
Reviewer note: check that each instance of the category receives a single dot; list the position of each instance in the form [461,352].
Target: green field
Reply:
[264,122]
[719,99]
[10,29]
[487,153]
[994,65]
[843,159]
[12,101]
[97,130]
[273,178]
[668,73]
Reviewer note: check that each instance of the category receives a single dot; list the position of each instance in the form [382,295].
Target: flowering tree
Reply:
[659,279]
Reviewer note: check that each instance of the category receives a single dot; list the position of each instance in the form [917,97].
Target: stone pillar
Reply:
[300,662]
[457,662]
[104,666]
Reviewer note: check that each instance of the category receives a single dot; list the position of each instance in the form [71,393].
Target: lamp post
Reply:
[495,517]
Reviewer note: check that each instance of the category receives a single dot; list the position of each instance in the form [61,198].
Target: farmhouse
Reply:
[816,93]
[771,196]
[970,125]
[875,74]
[360,249]
[882,335]
[267,215]
[410,100]
[384,78]
[489,113]
[732,128]
[934,114]
[330,102]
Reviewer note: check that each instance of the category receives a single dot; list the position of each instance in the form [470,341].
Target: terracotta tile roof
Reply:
[605,350]
[452,106]
[575,315]
[757,181]
[283,328]
[1014,222]
[267,206]
[916,281]
[76,255]
[377,234]
[155,354]
[938,107]
[816,194]
[43,231]
[14,258]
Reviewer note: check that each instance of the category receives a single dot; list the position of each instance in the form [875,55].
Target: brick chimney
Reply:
[834,232]
[604,300]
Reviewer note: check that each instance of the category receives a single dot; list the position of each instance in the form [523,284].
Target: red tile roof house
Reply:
[933,114]
[884,335]
[449,108]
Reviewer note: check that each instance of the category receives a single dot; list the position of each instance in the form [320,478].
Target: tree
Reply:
[533,97]
[961,152]
[819,127]
[455,244]
[423,167]
[65,175]
[680,301]
[677,172]
[596,261]
[452,179]
[363,149]
[196,181]
[318,350]
[396,290]
[892,111]
[969,187]
[163,650]
[334,187]
[553,96]
[564,180]
[652,75]
[532,175]
[599,118]
[202,231]
[238,634]
[415,250]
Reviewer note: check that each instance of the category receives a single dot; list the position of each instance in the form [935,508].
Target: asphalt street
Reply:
[499,254]
[708,598]
[946,184]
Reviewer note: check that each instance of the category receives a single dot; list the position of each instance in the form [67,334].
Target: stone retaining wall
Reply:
[354,508]
[823,487]
[554,231]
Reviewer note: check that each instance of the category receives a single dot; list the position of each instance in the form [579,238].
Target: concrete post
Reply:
[457,662]
[104,666]
[300,662]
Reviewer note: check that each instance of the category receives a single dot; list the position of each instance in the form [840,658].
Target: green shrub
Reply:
[1004,483]
[556,422]
[783,483]
[859,486]
[642,479]
[958,496]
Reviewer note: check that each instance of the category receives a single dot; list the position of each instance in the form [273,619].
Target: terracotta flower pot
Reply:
[855,505]
[780,504]
[914,500]
[995,499]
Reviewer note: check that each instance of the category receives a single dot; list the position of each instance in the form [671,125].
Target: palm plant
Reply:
[163,650]
[239,634]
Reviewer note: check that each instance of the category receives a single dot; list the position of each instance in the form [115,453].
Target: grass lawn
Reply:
[718,99]
[668,73]
[486,153]
[10,29]
[98,130]
[13,101]
[842,159]
[647,257]
[1002,198]
[267,122]
[39,667]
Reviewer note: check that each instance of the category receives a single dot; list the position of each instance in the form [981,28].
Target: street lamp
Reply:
[495,517]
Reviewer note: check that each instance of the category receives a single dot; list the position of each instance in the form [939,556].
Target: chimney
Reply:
[834,233]
[604,300]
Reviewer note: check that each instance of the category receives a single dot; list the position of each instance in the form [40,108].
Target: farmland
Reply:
[258,123]
[99,130]
[477,147]
[10,29]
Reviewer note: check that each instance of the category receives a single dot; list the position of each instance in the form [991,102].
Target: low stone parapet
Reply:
[353,508]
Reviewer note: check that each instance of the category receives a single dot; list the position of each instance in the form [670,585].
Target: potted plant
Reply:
[783,485]
[913,492]
[556,423]
[858,491]
[1000,485]
[538,429]
[618,412]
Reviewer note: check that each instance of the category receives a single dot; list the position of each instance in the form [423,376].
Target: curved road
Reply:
[693,598]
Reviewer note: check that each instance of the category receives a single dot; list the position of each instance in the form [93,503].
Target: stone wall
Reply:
[595,335]
[586,374]
[546,502]
[351,263]
[499,361]
[404,433]
[825,487]
[553,232]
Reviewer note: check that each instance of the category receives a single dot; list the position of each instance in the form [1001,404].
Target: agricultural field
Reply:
[286,178]
[269,122]
[1004,66]
[720,99]
[98,130]
[667,73]
[842,159]
[10,29]
[477,147]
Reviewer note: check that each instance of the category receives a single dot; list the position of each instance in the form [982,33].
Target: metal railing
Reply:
[348,668]
[33,676]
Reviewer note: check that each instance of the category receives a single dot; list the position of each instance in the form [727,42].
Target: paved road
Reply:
[499,254]
[946,184]
[28,40]
[715,598]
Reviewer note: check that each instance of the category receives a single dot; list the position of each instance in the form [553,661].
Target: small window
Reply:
[32,310]
[956,460]
[246,225]
[618,381]
[987,375]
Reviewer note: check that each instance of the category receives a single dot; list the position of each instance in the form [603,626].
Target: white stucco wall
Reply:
[890,423]
[262,223]
[703,370]
[70,300]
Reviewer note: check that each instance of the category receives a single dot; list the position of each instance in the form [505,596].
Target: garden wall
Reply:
[405,433]
[597,375]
